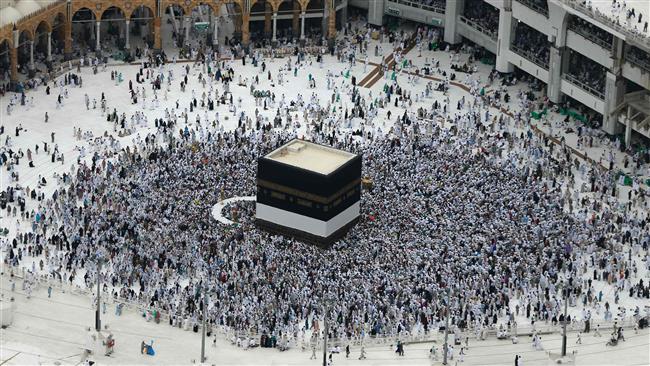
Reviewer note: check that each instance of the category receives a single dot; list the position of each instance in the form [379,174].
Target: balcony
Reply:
[533,6]
[436,8]
[591,37]
[490,33]
[574,80]
[638,60]
[530,56]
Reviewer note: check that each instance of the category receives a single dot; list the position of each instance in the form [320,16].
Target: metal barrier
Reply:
[596,14]
[575,81]
[488,32]
[592,37]
[413,4]
[642,62]
[533,6]
[528,55]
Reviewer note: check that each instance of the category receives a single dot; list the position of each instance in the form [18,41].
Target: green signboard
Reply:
[201,26]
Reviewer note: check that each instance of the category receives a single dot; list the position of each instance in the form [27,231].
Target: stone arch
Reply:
[129,15]
[5,55]
[177,4]
[83,12]
[315,4]
[286,5]
[258,6]
[28,33]
[47,28]
[78,8]
[58,16]
[113,8]
[214,7]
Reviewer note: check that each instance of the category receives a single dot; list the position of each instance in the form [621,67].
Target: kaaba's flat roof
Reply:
[310,156]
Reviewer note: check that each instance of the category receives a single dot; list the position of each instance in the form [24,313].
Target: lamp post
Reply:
[566,304]
[205,315]
[327,302]
[98,321]
[444,361]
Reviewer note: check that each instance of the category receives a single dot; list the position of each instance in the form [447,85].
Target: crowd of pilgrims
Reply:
[482,214]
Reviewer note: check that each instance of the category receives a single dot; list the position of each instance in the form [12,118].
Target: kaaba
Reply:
[308,191]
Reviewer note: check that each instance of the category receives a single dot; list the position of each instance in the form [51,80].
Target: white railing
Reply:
[592,37]
[414,4]
[575,81]
[530,56]
[488,32]
[639,37]
[642,62]
[533,6]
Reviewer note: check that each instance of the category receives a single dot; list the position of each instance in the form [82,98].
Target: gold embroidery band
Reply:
[305,195]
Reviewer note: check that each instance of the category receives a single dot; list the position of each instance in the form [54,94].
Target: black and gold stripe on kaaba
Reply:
[306,195]
[307,204]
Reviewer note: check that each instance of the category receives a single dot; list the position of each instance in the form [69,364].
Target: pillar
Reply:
[296,19]
[127,45]
[275,26]
[49,46]
[452,10]
[215,31]
[614,95]
[157,40]
[506,33]
[13,50]
[302,25]
[67,39]
[31,54]
[628,126]
[187,29]
[331,22]
[617,52]
[267,20]
[558,60]
[245,33]
[67,32]
[376,13]
[97,36]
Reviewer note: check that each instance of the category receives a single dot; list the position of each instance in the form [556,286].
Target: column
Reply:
[97,37]
[275,26]
[245,34]
[506,32]
[31,54]
[452,10]
[331,22]
[127,45]
[14,63]
[157,40]
[187,29]
[614,95]
[267,21]
[376,13]
[67,39]
[295,26]
[49,46]
[628,126]
[215,32]
[558,59]
[302,25]
[67,32]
